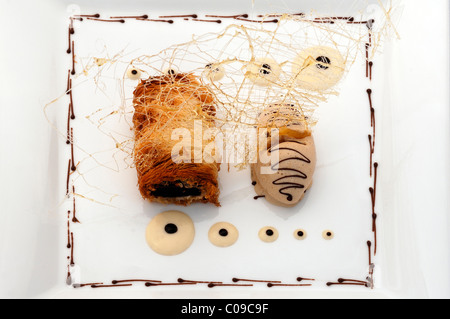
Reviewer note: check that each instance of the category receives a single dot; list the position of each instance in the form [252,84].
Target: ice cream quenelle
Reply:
[285,181]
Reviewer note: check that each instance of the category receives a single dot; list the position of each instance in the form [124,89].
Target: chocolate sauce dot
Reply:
[300,233]
[325,60]
[171,228]
[265,69]
[134,72]
[223,232]
[328,235]
[290,198]
[269,232]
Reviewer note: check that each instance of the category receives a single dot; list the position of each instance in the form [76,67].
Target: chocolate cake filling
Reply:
[175,189]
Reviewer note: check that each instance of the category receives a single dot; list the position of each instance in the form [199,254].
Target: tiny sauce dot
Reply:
[268,234]
[134,74]
[223,234]
[328,234]
[300,234]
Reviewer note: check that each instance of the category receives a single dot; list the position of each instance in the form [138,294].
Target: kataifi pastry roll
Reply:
[167,106]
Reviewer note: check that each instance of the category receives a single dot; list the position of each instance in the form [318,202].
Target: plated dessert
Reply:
[246,75]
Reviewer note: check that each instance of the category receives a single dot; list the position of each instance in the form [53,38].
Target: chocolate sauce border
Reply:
[235,282]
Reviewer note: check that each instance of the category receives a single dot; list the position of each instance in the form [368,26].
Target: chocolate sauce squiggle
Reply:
[115,282]
[145,16]
[87,16]
[111,286]
[156,20]
[74,168]
[181,280]
[270,285]
[257,21]
[74,218]
[69,50]
[69,166]
[255,280]
[245,15]
[103,20]
[72,112]
[214,21]
[73,58]
[195,16]
[300,174]
[69,84]
[69,245]
[72,248]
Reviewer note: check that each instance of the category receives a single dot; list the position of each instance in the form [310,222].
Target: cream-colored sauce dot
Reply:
[223,234]
[300,234]
[134,74]
[170,71]
[170,233]
[268,234]
[318,68]
[263,72]
[214,72]
[328,234]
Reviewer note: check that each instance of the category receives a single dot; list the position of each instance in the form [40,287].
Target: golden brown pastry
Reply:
[162,105]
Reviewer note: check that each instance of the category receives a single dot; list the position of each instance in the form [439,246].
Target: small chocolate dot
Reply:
[328,234]
[323,59]
[265,69]
[134,72]
[171,228]
[300,234]
[223,232]
[269,232]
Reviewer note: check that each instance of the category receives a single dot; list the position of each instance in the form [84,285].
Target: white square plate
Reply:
[410,85]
